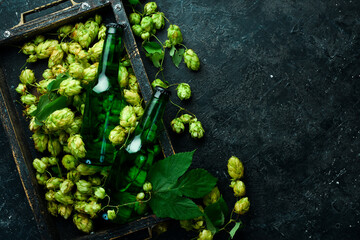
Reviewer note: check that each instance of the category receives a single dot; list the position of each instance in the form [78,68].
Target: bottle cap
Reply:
[159,91]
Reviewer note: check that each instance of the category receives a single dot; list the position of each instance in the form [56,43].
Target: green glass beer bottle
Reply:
[128,173]
[104,101]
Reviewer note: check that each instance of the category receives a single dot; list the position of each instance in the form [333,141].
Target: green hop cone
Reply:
[147,187]
[79,100]
[167,44]
[76,70]
[195,129]
[102,32]
[242,206]
[47,74]
[21,89]
[212,197]
[64,31]
[99,192]
[174,35]
[33,126]
[65,210]
[45,160]
[205,235]
[134,18]
[159,20]
[56,57]
[111,214]
[92,27]
[118,135]
[58,69]
[87,170]
[186,224]
[128,117]
[39,39]
[69,162]
[158,83]
[98,19]
[30,109]
[92,208]
[50,196]
[235,168]
[41,178]
[40,141]
[147,24]
[239,188]
[96,50]
[70,58]
[95,181]
[44,49]
[32,58]
[65,47]
[137,30]
[63,137]
[76,146]
[28,48]
[131,97]
[59,119]
[80,196]
[183,91]
[53,161]
[150,8]
[41,86]
[65,199]
[133,84]
[27,76]
[145,35]
[82,58]
[53,183]
[186,118]
[123,76]
[140,196]
[83,187]
[139,111]
[177,126]
[28,99]
[54,146]
[79,206]
[66,186]
[192,60]
[90,73]
[75,126]
[73,176]
[39,165]
[74,48]
[82,222]
[52,207]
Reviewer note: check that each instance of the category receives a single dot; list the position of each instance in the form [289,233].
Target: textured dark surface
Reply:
[279,88]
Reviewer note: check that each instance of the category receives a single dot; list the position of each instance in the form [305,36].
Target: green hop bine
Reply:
[104,100]
[129,169]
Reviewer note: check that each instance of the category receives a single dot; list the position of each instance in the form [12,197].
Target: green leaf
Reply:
[215,214]
[173,206]
[48,103]
[196,183]
[234,229]
[134,2]
[152,47]
[172,50]
[156,58]
[178,56]
[164,173]
[54,85]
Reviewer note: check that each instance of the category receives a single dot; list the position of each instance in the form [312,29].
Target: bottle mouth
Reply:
[114,27]
[160,91]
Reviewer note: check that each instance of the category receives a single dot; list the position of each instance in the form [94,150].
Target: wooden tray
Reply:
[16,127]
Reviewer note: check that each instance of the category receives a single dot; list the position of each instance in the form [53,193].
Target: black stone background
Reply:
[279,88]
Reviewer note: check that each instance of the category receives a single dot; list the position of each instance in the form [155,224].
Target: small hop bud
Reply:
[147,187]
[95,181]
[134,18]
[195,129]
[70,87]
[58,69]
[53,161]
[186,224]
[65,199]
[123,76]
[235,168]
[174,35]
[27,76]
[75,126]
[212,197]
[102,32]
[54,183]
[80,196]
[82,222]
[76,70]
[147,24]
[131,97]
[59,119]
[39,39]
[21,89]
[92,208]
[205,235]
[76,146]
[66,186]
[139,110]
[239,189]
[167,44]
[28,99]
[93,28]
[28,48]
[99,193]
[44,49]
[73,175]
[150,8]
[52,207]
[98,19]
[145,35]
[54,146]
[65,47]
[87,170]
[96,50]
[41,86]
[186,118]
[63,137]
[83,187]
[74,48]
[69,162]
[40,141]
[39,165]
[32,58]
[191,60]
[56,57]
[183,91]
[90,73]
[137,30]
[198,225]
[140,196]
[177,126]
[118,135]
[242,206]
[64,31]
[41,178]
[65,210]
[111,214]
[133,84]
[158,83]
[47,74]
[50,196]
[128,117]
[159,20]
[30,109]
